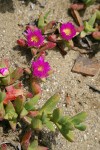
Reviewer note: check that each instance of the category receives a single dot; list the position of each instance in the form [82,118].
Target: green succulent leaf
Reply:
[50,125]
[33,145]
[63,120]
[92,20]
[32,102]
[67,134]
[10,112]
[13,124]
[46,15]
[2,111]
[81,127]
[57,114]
[36,124]
[98,14]
[50,104]
[79,118]
[88,2]
[2,96]
[23,113]
[41,23]
[19,104]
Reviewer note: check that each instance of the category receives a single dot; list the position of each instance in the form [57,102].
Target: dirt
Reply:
[14,12]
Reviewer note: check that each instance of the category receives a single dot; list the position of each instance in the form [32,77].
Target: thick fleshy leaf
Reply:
[47,46]
[5,80]
[63,120]
[2,111]
[10,112]
[98,14]
[34,146]
[88,2]
[41,23]
[68,135]
[19,104]
[96,35]
[92,20]
[49,25]
[12,94]
[23,113]
[79,118]
[36,124]
[57,114]
[16,74]
[78,6]
[3,147]
[50,125]
[13,124]
[29,105]
[50,104]
[35,86]
[80,127]
[2,96]
[26,140]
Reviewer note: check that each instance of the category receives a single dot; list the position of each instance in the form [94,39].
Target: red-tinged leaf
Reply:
[34,51]
[49,25]
[16,74]
[48,45]
[78,6]
[31,27]
[18,85]
[35,86]
[52,38]
[26,140]
[3,147]
[96,35]
[12,94]
[33,113]
[22,42]
[27,71]
[28,94]
[80,29]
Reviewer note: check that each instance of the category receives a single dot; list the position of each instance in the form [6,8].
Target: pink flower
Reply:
[4,71]
[34,38]
[40,68]
[67,31]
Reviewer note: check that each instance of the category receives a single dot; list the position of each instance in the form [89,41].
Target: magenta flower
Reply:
[40,68]
[4,71]
[34,38]
[67,31]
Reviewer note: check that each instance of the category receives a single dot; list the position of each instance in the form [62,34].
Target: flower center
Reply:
[40,68]
[34,39]
[67,31]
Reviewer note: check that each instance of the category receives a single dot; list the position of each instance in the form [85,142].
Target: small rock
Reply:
[86,66]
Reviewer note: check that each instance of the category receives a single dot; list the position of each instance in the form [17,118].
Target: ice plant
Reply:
[40,68]
[34,38]
[4,71]
[67,31]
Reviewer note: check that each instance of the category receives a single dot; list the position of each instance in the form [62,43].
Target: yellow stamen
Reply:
[34,39]
[40,68]
[67,31]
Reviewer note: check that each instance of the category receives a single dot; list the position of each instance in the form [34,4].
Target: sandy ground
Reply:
[63,80]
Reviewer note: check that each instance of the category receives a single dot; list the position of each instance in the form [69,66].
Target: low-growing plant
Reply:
[38,118]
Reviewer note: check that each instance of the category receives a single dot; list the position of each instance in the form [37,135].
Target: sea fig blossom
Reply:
[67,31]
[40,68]
[4,71]
[34,38]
